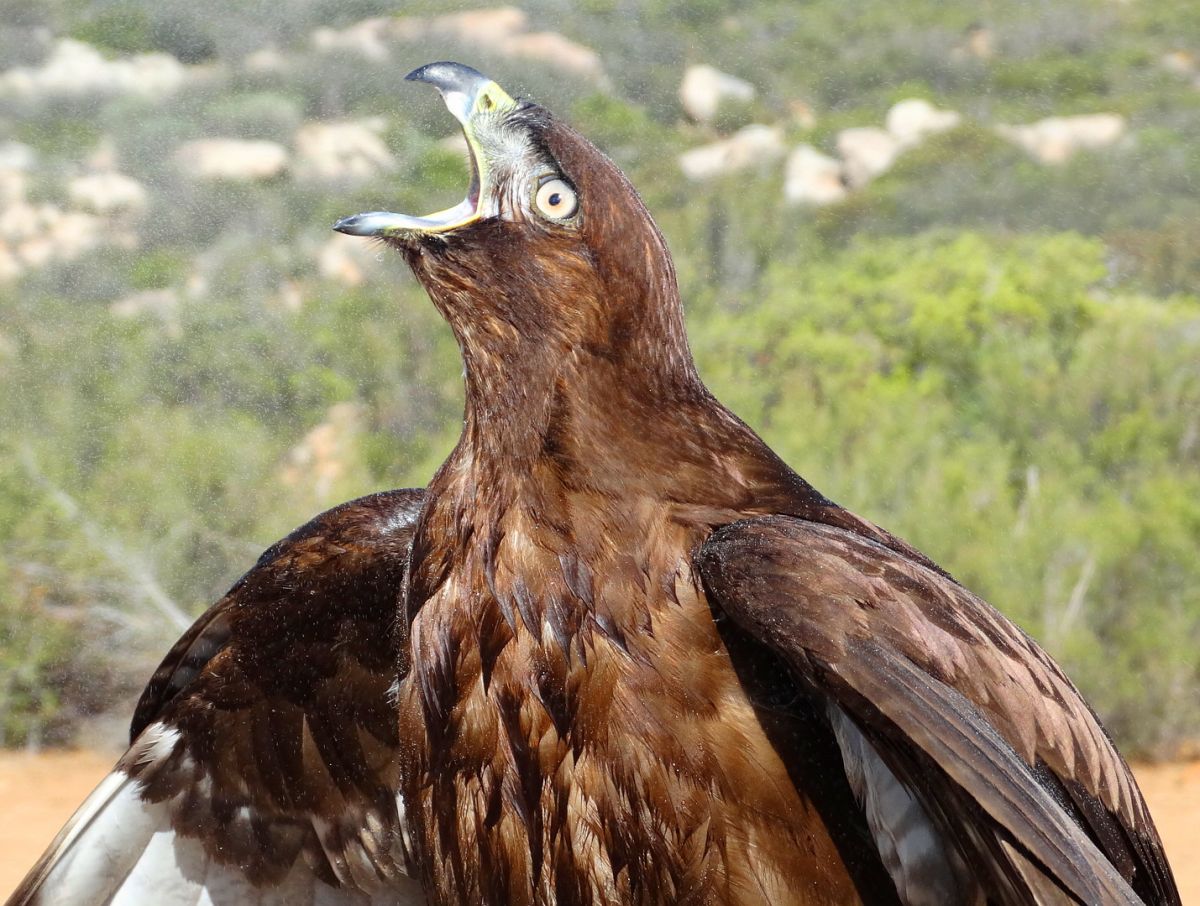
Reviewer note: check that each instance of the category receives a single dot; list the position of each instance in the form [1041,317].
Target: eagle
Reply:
[617,651]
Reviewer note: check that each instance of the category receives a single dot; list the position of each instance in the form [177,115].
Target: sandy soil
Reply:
[40,792]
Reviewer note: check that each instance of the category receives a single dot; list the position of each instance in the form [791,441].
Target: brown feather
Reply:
[936,675]
[279,693]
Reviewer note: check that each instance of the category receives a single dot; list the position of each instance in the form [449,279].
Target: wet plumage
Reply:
[632,656]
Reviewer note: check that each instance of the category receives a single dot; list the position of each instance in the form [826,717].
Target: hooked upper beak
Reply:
[473,98]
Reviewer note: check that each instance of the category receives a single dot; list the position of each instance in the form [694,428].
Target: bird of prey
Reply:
[617,652]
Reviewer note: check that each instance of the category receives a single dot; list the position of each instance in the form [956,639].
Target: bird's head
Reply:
[551,250]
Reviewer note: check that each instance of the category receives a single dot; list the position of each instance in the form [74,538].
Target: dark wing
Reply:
[263,760]
[932,689]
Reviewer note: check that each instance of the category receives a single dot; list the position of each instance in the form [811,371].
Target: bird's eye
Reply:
[556,200]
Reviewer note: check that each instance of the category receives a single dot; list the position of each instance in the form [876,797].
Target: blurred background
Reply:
[945,257]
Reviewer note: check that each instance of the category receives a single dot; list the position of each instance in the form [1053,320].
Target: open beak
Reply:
[473,98]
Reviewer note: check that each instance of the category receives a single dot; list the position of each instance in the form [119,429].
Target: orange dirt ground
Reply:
[39,793]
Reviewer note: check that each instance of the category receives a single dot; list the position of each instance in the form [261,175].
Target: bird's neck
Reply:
[575,409]
[588,435]
[571,393]
[594,410]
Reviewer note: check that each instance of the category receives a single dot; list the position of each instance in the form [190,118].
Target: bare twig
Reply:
[107,543]
[1076,600]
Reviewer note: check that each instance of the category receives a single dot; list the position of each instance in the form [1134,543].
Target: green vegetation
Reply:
[996,358]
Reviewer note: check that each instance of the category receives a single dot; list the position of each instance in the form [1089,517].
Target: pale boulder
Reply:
[752,146]
[802,113]
[21,220]
[164,305]
[867,152]
[505,30]
[704,89]
[159,303]
[289,296]
[370,38]
[327,453]
[232,159]
[13,184]
[347,259]
[1180,62]
[37,235]
[912,120]
[476,26]
[17,160]
[33,235]
[502,30]
[103,158]
[978,43]
[558,51]
[76,69]
[17,156]
[342,152]
[812,178]
[10,267]
[1058,138]
[107,193]
[265,59]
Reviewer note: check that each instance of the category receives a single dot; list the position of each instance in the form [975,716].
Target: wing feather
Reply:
[960,704]
[263,760]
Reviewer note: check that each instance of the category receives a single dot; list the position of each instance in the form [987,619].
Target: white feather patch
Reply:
[170,872]
[925,870]
[102,843]
[119,850]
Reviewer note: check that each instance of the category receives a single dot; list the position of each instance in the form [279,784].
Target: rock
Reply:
[17,156]
[16,162]
[802,113]
[371,38]
[234,159]
[705,88]
[456,143]
[753,145]
[289,296]
[347,259]
[21,221]
[476,26]
[342,152]
[161,303]
[1180,62]
[327,452]
[107,193]
[867,152]
[39,234]
[558,51]
[10,267]
[34,235]
[266,59]
[911,120]
[76,69]
[978,43]
[13,184]
[502,30]
[810,177]
[103,157]
[1057,138]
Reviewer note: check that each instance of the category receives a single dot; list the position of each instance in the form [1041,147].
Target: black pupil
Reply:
[555,199]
